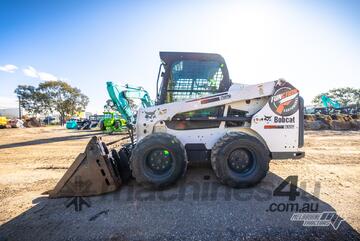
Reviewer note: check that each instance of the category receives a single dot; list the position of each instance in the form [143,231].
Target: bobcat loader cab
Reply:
[191,75]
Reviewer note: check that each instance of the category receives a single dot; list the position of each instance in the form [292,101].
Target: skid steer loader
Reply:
[199,116]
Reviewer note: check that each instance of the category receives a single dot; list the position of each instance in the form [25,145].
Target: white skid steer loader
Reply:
[200,116]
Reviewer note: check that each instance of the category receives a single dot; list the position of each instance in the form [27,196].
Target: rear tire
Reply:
[158,160]
[117,125]
[101,125]
[239,160]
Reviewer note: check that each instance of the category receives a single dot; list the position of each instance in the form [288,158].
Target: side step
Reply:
[93,172]
[287,155]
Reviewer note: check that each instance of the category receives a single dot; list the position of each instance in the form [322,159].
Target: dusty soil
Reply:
[33,160]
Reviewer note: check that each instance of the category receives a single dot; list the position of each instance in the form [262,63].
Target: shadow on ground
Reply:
[198,208]
[51,140]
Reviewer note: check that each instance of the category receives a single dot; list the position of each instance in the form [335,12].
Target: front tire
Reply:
[158,160]
[122,164]
[102,125]
[239,160]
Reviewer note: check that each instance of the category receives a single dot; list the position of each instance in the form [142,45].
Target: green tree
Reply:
[345,96]
[31,100]
[63,98]
[52,96]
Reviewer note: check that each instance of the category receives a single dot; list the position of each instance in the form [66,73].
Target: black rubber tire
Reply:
[122,164]
[114,163]
[144,175]
[225,146]
[117,124]
[101,125]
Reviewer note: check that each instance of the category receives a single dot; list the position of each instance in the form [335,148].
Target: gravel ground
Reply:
[197,208]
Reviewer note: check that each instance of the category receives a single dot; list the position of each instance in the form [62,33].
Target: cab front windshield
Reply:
[191,79]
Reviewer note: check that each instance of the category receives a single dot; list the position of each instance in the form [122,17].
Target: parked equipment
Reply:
[3,122]
[201,116]
[76,123]
[72,123]
[112,122]
[16,123]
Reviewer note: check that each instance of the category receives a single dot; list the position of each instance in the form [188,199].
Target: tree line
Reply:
[59,96]
[50,96]
[344,96]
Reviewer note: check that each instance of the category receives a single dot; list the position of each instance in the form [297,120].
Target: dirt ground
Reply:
[33,160]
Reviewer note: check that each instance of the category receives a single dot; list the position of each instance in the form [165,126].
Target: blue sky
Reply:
[313,44]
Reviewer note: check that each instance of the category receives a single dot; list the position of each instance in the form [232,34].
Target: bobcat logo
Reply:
[150,115]
[267,119]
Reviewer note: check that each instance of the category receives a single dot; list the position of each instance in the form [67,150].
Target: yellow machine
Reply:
[3,121]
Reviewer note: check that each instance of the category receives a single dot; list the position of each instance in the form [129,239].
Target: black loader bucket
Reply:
[93,172]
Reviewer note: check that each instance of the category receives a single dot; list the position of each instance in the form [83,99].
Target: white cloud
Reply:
[10,68]
[46,76]
[33,73]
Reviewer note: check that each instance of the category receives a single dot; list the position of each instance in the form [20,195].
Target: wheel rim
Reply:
[241,161]
[159,161]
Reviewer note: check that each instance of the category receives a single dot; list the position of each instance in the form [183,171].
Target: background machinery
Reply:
[112,122]
[199,115]
[329,103]
[331,116]
[122,101]
[72,123]
[3,122]
[78,123]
